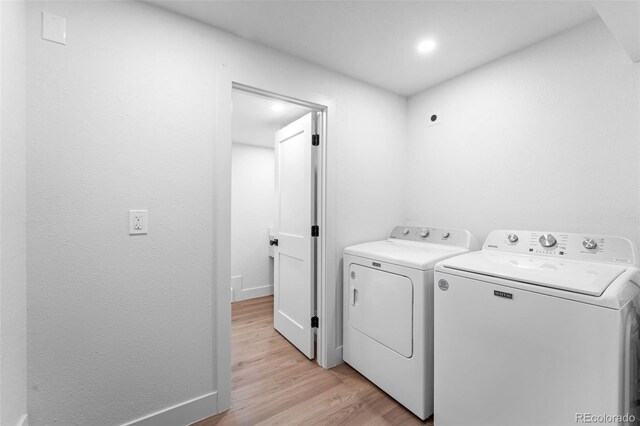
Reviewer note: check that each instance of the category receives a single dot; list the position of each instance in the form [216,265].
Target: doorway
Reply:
[275,208]
[328,297]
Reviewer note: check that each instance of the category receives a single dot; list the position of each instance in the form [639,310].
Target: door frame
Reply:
[328,296]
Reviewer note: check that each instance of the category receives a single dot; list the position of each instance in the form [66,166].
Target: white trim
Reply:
[185,413]
[329,351]
[24,420]
[222,239]
[238,293]
[252,293]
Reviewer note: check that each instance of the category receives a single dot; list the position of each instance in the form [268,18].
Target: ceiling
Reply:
[254,122]
[375,41]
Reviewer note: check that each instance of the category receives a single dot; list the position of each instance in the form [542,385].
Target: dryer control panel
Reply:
[429,234]
[588,247]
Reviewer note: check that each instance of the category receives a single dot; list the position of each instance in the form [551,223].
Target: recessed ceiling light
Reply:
[426,46]
[277,107]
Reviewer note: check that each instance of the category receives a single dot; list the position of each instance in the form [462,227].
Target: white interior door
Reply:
[294,257]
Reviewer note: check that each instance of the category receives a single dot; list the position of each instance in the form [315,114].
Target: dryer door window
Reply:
[381,307]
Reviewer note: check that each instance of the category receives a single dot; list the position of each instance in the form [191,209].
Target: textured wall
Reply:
[252,213]
[13,279]
[545,139]
[121,118]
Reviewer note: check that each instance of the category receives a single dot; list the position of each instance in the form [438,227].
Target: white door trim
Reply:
[222,240]
[328,295]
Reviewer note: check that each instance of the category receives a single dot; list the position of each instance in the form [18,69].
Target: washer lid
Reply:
[417,255]
[574,276]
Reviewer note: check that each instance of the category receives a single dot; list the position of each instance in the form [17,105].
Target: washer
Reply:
[388,310]
[538,328]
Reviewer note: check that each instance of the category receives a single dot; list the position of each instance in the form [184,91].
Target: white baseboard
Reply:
[252,293]
[24,420]
[238,293]
[236,287]
[181,414]
[334,358]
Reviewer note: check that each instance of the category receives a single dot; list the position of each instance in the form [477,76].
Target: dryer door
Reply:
[381,307]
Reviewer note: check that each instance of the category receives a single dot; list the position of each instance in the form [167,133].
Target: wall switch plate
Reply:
[54,28]
[138,222]
[434,118]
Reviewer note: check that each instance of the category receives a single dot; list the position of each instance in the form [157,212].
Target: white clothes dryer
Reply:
[538,328]
[388,309]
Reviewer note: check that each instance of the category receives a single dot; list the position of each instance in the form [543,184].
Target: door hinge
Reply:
[315,231]
[315,322]
[315,139]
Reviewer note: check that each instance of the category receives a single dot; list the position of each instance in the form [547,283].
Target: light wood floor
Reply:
[274,384]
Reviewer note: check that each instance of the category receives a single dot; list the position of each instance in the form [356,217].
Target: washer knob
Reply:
[424,233]
[547,240]
[405,231]
[513,238]
[445,235]
[590,243]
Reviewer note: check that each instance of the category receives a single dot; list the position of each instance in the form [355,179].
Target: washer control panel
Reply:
[429,234]
[575,246]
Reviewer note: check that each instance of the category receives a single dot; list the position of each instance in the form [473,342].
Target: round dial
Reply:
[424,233]
[405,231]
[513,238]
[589,243]
[547,240]
[445,235]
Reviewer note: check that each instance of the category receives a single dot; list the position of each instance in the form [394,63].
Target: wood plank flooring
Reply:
[274,384]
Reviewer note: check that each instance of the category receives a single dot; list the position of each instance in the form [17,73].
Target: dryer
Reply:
[538,328]
[388,309]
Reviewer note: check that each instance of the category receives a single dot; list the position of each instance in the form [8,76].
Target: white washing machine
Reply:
[388,310]
[538,329]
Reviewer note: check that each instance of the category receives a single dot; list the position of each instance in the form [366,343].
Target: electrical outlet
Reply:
[138,222]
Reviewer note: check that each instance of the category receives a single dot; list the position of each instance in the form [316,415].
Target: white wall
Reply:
[13,281]
[252,213]
[120,118]
[544,139]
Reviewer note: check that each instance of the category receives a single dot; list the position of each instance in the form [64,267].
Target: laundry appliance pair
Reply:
[388,309]
[536,328]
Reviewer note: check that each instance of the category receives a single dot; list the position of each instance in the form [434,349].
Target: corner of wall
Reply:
[13,329]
